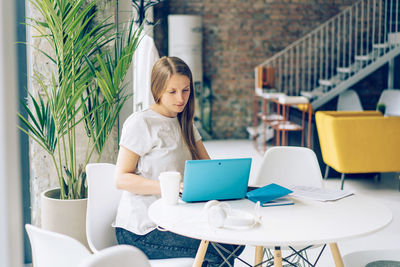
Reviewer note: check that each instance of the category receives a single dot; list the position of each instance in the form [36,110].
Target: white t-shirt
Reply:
[159,143]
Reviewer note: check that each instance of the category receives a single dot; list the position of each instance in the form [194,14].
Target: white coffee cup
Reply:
[170,184]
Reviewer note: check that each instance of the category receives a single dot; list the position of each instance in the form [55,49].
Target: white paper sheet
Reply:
[320,194]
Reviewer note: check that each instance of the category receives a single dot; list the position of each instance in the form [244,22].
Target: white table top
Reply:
[304,223]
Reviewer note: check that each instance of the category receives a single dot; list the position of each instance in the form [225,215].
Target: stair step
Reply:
[326,82]
[345,70]
[394,38]
[380,46]
[363,57]
[312,94]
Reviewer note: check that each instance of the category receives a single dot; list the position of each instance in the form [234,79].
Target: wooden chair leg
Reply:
[258,255]
[201,252]
[277,257]
[337,258]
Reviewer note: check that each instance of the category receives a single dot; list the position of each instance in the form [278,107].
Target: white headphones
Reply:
[221,215]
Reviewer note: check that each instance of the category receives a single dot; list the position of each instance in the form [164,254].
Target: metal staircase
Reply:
[339,53]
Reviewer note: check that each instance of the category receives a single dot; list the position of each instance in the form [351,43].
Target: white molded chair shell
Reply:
[51,249]
[289,166]
[349,101]
[119,256]
[362,258]
[103,201]
[391,99]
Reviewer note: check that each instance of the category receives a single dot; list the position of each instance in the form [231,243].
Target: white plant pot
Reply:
[64,216]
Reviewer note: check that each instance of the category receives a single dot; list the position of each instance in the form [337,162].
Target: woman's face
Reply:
[175,96]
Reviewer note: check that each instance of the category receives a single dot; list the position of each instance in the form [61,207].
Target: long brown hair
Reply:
[162,71]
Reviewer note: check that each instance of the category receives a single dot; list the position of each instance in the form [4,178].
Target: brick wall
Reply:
[237,36]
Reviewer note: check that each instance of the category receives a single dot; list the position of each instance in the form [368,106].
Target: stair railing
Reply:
[336,49]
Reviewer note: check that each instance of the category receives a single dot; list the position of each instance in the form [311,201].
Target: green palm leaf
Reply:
[86,87]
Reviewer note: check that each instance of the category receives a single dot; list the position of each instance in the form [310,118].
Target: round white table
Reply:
[305,223]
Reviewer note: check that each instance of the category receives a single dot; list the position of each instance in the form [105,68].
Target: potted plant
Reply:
[85,90]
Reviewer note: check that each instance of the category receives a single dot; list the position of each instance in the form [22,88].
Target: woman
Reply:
[159,139]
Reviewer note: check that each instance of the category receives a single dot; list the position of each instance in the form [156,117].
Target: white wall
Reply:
[125,14]
[11,248]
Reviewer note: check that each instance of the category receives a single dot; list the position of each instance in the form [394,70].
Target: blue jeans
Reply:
[164,244]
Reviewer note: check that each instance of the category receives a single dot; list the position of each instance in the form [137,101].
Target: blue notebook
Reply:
[270,195]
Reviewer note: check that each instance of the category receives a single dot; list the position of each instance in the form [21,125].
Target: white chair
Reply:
[349,101]
[51,249]
[362,258]
[119,256]
[391,99]
[289,166]
[103,200]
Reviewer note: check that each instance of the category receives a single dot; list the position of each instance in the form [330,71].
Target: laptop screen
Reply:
[218,179]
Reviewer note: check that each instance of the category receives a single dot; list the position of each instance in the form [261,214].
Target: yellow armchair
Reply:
[359,142]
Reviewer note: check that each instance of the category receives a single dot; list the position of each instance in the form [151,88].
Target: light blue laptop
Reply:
[218,179]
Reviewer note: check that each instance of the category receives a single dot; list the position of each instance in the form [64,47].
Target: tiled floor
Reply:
[385,191]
